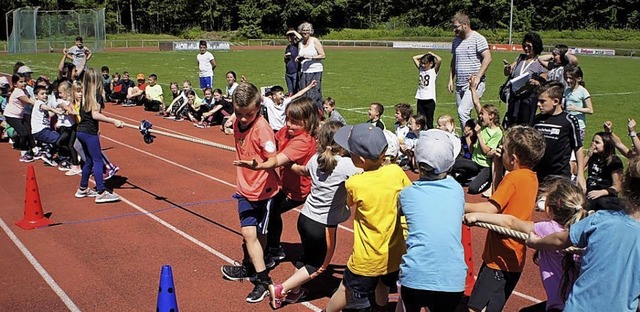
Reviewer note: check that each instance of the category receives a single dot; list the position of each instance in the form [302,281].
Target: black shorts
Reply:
[436,301]
[492,289]
[363,286]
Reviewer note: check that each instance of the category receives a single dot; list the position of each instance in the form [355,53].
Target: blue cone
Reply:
[167,293]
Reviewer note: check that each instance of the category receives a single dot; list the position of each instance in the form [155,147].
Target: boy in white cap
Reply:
[378,243]
[433,274]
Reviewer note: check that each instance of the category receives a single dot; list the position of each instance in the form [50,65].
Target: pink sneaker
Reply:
[277,298]
[293,297]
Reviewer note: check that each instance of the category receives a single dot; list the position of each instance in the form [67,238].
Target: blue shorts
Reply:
[363,286]
[206,82]
[254,213]
[47,136]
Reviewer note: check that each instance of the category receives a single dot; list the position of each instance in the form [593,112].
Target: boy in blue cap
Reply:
[378,244]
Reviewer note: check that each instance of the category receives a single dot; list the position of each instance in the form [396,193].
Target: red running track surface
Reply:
[176,209]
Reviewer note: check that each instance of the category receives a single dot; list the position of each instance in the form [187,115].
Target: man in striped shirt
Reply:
[471,58]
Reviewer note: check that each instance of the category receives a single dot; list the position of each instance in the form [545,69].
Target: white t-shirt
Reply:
[231,89]
[64,120]
[77,55]
[39,118]
[426,84]
[276,113]
[204,64]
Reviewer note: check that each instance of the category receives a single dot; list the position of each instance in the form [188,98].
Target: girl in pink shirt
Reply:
[564,205]
[13,114]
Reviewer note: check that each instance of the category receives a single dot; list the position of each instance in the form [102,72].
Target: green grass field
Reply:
[355,78]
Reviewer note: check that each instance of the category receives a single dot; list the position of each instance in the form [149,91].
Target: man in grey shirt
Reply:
[470,58]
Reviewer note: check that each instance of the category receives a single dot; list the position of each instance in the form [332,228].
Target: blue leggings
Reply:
[93,154]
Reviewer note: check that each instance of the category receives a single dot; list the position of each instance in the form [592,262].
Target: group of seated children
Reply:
[40,119]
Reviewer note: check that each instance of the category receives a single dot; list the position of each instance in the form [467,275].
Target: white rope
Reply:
[184,138]
[519,235]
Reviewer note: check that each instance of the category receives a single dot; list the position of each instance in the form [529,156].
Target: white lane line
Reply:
[36,265]
[530,298]
[180,232]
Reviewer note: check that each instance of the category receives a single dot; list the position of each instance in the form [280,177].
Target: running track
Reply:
[176,209]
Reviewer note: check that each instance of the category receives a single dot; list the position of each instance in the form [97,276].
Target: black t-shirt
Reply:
[600,172]
[87,123]
[126,85]
[562,135]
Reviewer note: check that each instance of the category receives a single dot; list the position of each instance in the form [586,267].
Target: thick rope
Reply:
[519,235]
[185,138]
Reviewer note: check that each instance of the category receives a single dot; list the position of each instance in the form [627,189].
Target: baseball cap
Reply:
[435,149]
[393,145]
[365,140]
[140,77]
[4,82]
[24,69]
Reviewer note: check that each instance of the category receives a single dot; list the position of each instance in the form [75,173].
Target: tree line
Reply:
[254,18]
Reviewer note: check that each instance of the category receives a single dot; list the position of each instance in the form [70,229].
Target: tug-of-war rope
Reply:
[519,235]
[147,132]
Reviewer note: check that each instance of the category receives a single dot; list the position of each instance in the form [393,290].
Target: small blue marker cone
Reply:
[167,293]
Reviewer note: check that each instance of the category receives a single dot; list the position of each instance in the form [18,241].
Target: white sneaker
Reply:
[72,172]
[107,197]
[88,192]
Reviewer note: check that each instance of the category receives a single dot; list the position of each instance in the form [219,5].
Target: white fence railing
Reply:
[338,43]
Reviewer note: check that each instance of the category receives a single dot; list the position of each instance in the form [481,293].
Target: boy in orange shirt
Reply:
[254,141]
[503,257]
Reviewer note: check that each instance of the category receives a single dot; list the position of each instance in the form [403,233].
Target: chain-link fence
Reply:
[31,30]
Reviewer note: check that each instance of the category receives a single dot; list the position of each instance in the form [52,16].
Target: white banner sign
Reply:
[588,51]
[195,45]
[422,45]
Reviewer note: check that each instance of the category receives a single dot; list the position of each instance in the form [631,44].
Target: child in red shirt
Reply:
[296,145]
[255,144]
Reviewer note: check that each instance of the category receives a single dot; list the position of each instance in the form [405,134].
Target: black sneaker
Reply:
[237,272]
[269,263]
[259,292]
[277,254]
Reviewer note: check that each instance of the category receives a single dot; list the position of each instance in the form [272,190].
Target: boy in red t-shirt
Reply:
[503,257]
[254,142]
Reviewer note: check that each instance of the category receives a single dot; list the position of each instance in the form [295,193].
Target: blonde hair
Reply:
[64,86]
[446,118]
[327,147]
[305,110]
[76,86]
[91,86]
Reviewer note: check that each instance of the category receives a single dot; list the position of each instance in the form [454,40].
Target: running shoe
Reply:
[107,197]
[73,171]
[111,172]
[87,192]
[26,158]
[259,292]
[277,298]
[237,272]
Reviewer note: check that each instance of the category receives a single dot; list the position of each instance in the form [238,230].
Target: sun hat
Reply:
[365,140]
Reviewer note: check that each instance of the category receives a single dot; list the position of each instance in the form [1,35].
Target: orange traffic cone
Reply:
[468,258]
[33,216]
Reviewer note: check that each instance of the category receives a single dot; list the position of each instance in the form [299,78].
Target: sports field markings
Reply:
[177,230]
[36,265]
[519,294]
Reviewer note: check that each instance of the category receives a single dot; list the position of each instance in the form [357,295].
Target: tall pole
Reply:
[133,27]
[510,22]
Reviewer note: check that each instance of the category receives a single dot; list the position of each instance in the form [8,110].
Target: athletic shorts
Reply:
[363,286]
[492,288]
[47,136]
[206,82]
[254,213]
